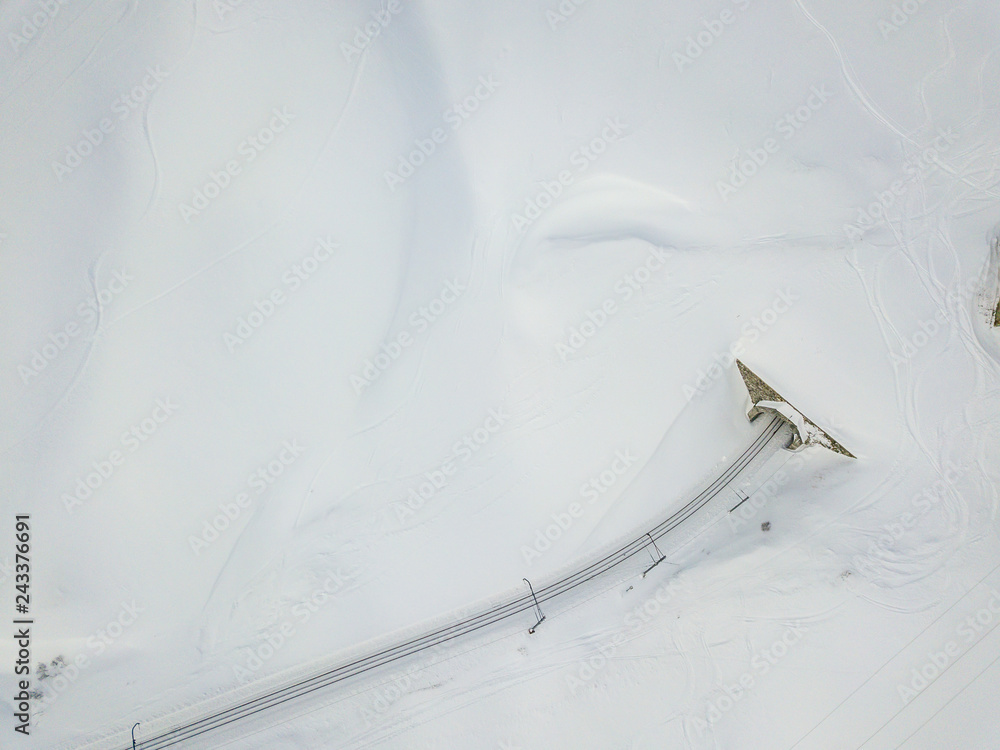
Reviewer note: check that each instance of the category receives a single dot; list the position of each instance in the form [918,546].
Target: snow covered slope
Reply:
[318,316]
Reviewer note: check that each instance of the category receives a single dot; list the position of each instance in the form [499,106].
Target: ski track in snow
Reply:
[850,78]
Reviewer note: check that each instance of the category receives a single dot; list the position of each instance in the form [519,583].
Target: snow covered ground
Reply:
[317,317]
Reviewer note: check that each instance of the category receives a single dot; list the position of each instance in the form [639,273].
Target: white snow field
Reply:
[324,323]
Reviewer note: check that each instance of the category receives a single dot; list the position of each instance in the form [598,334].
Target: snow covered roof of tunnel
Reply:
[764,398]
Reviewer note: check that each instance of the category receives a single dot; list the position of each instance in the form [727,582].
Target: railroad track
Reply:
[183,733]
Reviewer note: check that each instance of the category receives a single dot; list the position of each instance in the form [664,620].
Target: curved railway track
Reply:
[183,733]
